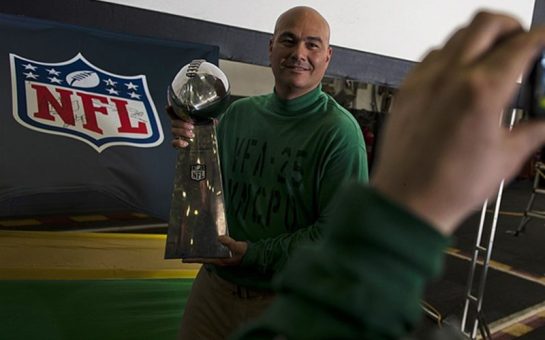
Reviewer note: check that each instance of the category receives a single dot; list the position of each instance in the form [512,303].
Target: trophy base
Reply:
[211,251]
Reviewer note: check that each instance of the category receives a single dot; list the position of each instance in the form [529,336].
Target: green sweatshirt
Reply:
[282,162]
[363,281]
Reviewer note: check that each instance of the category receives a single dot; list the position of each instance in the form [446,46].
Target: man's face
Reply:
[299,53]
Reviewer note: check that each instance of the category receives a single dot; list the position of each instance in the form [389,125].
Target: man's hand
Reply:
[443,151]
[238,249]
[182,129]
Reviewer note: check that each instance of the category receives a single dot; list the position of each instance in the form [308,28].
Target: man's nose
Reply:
[299,51]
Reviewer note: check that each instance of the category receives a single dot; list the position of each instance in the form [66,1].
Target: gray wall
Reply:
[235,43]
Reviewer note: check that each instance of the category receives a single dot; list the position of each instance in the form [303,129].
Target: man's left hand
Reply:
[237,248]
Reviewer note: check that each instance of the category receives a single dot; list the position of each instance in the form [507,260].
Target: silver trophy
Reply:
[199,91]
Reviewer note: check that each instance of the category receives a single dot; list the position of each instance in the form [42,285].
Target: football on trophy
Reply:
[199,90]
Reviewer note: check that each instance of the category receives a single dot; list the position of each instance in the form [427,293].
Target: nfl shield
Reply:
[198,172]
[78,100]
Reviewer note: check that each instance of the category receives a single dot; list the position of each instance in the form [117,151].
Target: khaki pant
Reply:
[216,308]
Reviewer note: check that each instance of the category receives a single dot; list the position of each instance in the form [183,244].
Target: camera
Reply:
[533,90]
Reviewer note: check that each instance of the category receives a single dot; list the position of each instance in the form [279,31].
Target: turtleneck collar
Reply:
[296,106]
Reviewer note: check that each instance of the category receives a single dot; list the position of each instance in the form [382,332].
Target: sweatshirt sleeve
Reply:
[363,281]
[346,162]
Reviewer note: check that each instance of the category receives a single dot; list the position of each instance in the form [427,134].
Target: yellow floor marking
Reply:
[56,256]
[140,215]
[89,218]
[19,223]
[508,213]
[26,235]
[452,250]
[518,329]
[519,317]
[95,274]
[500,267]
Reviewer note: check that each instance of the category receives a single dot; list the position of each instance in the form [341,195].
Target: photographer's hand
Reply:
[443,151]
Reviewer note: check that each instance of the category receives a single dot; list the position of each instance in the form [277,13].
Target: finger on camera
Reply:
[484,31]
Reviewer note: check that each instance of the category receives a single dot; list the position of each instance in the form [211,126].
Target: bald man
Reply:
[443,153]
[283,157]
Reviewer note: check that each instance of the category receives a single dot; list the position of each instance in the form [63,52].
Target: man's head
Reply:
[299,51]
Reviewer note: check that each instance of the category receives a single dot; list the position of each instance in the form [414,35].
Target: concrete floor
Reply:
[514,294]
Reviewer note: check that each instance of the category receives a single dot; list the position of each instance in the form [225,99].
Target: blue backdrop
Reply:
[56,153]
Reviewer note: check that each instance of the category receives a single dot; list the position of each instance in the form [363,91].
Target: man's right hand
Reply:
[181,128]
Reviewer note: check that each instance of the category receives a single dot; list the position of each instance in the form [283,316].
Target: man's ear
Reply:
[329,54]
[270,45]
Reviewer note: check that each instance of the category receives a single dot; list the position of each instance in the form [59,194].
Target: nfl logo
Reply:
[198,172]
[78,100]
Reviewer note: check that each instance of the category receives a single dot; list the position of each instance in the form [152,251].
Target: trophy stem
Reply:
[197,215]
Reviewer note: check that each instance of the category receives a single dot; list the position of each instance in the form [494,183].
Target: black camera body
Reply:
[533,91]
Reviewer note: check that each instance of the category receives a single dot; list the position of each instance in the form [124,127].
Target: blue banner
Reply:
[82,124]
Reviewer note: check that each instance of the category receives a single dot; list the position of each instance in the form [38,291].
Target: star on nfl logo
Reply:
[79,100]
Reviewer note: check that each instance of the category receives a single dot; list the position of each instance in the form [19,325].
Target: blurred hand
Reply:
[238,249]
[443,151]
[182,129]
